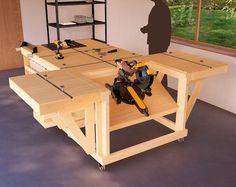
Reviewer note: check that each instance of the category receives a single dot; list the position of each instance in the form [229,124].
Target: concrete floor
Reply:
[31,156]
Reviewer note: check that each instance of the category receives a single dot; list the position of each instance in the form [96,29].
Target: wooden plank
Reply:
[123,115]
[105,125]
[43,51]
[91,44]
[36,92]
[29,70]
[45,94]
[90,126]
[90,69]
[145,146]
[176,64]
[105,56]
[198,60]
[46,121]
[168,123]
[208,73]
[157,63]
[160,76]
[76,85]
[192,100]
[98,126]
[72,60]
[181,114]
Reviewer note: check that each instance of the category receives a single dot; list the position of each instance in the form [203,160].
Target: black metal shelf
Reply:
[96,22]
[58,26]
[70,3]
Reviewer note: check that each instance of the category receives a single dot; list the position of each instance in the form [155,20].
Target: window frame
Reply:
[202,45]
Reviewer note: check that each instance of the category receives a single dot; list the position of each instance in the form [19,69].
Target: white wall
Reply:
[125,18]
[34,21]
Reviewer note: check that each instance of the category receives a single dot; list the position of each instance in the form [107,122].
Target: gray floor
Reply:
[31,156]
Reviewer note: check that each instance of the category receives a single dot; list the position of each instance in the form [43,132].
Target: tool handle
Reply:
[112,51]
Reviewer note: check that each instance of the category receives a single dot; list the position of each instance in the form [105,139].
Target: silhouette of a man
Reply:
[158,30]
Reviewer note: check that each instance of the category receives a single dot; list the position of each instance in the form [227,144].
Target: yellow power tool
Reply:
[132,92]
[58,54]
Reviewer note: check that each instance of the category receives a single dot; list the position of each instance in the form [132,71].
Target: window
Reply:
[183,14]
[205,21]
[218,23]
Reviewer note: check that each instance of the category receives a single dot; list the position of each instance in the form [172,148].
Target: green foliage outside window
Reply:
[218,21]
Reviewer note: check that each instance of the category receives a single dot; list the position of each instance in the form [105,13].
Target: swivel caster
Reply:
[181,140]
[101,167]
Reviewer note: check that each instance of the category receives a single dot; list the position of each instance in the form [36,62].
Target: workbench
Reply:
[71,95]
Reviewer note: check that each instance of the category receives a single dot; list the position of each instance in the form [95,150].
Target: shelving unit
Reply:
[58,26]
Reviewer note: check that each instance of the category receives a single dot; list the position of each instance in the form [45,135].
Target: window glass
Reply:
[183,14]
[218,22]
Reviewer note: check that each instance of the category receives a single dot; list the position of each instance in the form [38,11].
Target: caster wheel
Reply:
[181,140]
[101,167]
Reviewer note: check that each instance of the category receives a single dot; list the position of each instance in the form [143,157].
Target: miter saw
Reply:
[132,92]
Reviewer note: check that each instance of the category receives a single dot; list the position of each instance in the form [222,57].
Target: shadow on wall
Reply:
[158,28]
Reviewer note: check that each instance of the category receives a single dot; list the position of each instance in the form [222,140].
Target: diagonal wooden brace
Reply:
[66,122]
[193,98]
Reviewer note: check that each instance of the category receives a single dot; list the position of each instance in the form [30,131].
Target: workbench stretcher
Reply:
[71,95]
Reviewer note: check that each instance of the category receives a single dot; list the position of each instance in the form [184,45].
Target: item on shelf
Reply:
[68,23]
[89,19]
[80,19]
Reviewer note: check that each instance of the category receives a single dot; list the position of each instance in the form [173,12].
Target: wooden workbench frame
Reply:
[92,112]
[185,106]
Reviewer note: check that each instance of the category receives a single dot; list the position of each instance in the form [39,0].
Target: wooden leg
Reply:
[192,100]
[66,122]
[102,129]
[90,126]
[182,99]
[98,121]
[105,126]
[160,76]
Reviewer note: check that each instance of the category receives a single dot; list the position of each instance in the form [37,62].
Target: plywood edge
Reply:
[29,70]
[142,119]
[99,73]
[46,64]
[25,51]
[210,72]
[23,95]
[45,121]
[171,71]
